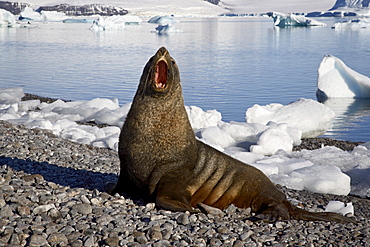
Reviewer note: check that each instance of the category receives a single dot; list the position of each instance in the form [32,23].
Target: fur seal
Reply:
[161,160]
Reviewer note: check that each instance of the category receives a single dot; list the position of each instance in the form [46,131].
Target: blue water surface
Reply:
[227,64]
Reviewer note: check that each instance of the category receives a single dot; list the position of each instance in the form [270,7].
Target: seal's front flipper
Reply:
[170,197]
[173,204]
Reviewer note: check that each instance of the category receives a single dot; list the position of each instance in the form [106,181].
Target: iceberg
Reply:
[163,20]
[115,22]
[336,80]
[132,19]
[287,20]
[7,19]
[53,16]
[29,14]
[353,24]
[168,28]
[108,23]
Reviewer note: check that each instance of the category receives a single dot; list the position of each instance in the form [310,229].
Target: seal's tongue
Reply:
[161,75]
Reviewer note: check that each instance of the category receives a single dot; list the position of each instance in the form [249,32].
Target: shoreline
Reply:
[307,143]
[52,192]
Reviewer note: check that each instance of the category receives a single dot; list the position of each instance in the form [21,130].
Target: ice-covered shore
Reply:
[265,140]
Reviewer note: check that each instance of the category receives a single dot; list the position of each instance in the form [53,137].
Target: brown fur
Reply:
[161,158]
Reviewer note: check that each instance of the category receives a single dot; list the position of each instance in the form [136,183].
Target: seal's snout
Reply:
[162,51]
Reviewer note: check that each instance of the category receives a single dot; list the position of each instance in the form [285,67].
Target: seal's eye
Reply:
[173,62]
[160,78]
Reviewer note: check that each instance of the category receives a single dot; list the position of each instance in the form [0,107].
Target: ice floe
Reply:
[7,19]
[337,80]
[167,28]
[289,20]
[354,24]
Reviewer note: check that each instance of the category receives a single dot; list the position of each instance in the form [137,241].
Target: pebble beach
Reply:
[52,193]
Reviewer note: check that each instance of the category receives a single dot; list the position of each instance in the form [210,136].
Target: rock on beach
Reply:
[52,194]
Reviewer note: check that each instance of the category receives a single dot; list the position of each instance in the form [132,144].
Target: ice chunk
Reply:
[243,156]
[273,139]
[200,119]
[53,16]
[109,23]
[29,14]
[167,28]
[28,105]
[7,19]
[340,208]
[284,20]
[336,80]
[326,179]
[242,132]
[356,164]
[216,137]
[163,20]
[116,22]
[354,24]
[11,95]
[309,116]
[98,107]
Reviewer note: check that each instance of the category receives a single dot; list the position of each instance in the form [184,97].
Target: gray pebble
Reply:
[58,238]
[89,241]
[37,240]
[54,196]
[183,219]
[6,212]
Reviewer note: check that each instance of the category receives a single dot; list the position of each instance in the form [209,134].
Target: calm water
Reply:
[227,64]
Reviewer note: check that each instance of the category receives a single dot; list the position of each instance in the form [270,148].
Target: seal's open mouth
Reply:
[160,78]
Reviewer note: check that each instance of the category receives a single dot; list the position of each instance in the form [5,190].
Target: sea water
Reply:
[227,64]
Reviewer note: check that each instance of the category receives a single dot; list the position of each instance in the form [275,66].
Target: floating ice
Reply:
[167,28]
[108,23]
[287,20]
[336,80]
[115,22]
[53,16]
[309,116]
[319,170]
[29,14]
[7,19]
[353,24]
[77,20]
[163,20]
[132,19]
